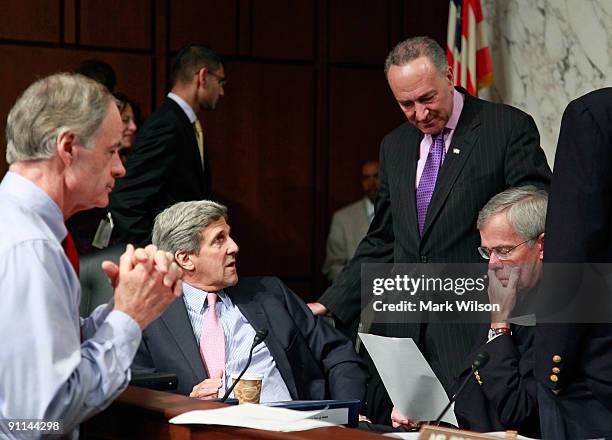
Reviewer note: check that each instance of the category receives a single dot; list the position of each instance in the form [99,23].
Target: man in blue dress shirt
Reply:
[63,136]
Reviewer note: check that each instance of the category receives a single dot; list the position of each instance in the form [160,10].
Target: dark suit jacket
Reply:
[507,397]
[164,168]
[314,360]
[579,207]
[498,147]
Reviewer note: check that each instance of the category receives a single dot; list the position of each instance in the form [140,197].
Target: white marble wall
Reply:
[546,53]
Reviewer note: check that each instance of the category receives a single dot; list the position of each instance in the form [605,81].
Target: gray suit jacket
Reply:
[348,227]
[314,359]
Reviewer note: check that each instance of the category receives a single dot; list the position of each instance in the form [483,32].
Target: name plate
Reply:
[337,416]
[430,432]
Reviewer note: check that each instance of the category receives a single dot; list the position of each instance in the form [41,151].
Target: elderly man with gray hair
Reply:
[206,338]
[63,135]
[502,394]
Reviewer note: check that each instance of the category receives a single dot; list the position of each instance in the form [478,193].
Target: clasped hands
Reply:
[146,281]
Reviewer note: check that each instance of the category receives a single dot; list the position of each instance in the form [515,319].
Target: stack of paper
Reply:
[253,416]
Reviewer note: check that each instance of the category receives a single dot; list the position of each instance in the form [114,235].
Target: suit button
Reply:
[556,370]
[554,378]
[423,258]
[556,359]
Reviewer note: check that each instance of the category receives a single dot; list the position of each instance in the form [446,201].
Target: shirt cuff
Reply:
[126,334]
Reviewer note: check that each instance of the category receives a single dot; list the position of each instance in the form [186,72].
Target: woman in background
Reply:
[130,116]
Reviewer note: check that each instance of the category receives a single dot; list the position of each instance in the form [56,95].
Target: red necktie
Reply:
[71,252]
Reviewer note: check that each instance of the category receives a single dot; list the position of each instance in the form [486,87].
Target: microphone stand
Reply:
[479,362]
[259,338]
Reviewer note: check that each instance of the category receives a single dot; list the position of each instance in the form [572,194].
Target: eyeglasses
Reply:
[502,252]
[220,79]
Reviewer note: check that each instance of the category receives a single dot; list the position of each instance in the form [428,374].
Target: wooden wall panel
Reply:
[362,111]
[427,18]
[359,31]
[283,29]
[32,20]
[132,72]
[211,22]
[115,23]
[306,102]
[260,140]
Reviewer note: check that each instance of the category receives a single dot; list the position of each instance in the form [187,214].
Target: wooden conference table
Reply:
[140,413]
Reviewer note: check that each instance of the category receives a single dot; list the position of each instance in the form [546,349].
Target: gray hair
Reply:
[179,227]
[51,105]
[525,209]
[417,47]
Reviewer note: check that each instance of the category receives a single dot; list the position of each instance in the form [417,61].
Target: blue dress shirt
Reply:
[46,372]
[239,334]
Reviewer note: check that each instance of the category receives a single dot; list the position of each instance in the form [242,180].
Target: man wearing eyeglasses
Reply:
[169,162]
[502,394]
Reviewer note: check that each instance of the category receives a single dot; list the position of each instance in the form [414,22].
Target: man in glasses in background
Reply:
[169,161]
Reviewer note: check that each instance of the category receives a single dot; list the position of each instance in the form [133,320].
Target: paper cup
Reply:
[248,388]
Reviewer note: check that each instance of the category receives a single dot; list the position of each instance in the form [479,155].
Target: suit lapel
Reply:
[253,311]
[410,156]
[178,324]
[464,139]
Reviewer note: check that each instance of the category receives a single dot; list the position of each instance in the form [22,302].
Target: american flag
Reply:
[467,48]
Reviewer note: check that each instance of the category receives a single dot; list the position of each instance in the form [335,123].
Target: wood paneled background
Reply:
[305,105]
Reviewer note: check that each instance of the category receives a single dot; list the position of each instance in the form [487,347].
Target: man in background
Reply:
[63,136]
[99,71]
[169,161]
[350,224]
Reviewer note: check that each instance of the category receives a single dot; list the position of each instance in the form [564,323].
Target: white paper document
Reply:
[412,385]
[254,416]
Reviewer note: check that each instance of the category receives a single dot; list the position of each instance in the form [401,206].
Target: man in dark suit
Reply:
[502,394]
[169,162]
[302,357]
[574,360]
[436,172]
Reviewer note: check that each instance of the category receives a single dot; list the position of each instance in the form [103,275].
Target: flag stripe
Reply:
[467,48]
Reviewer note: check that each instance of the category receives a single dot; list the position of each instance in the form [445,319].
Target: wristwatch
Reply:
[495,332]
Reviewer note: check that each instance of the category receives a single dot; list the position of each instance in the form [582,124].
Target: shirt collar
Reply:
[31,195]
[196,298]
[184,106]
[458,99]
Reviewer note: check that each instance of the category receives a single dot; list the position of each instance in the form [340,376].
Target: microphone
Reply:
[480,361]
[260,336]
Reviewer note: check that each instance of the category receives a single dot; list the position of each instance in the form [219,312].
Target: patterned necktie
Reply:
[427,183]
[199,137]
[71,252]
[212,341]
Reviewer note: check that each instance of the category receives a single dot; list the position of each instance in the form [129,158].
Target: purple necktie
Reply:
[428,178]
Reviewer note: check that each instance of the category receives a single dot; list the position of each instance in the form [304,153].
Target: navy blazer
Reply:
[314,359]
[579,230]
[505,398]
